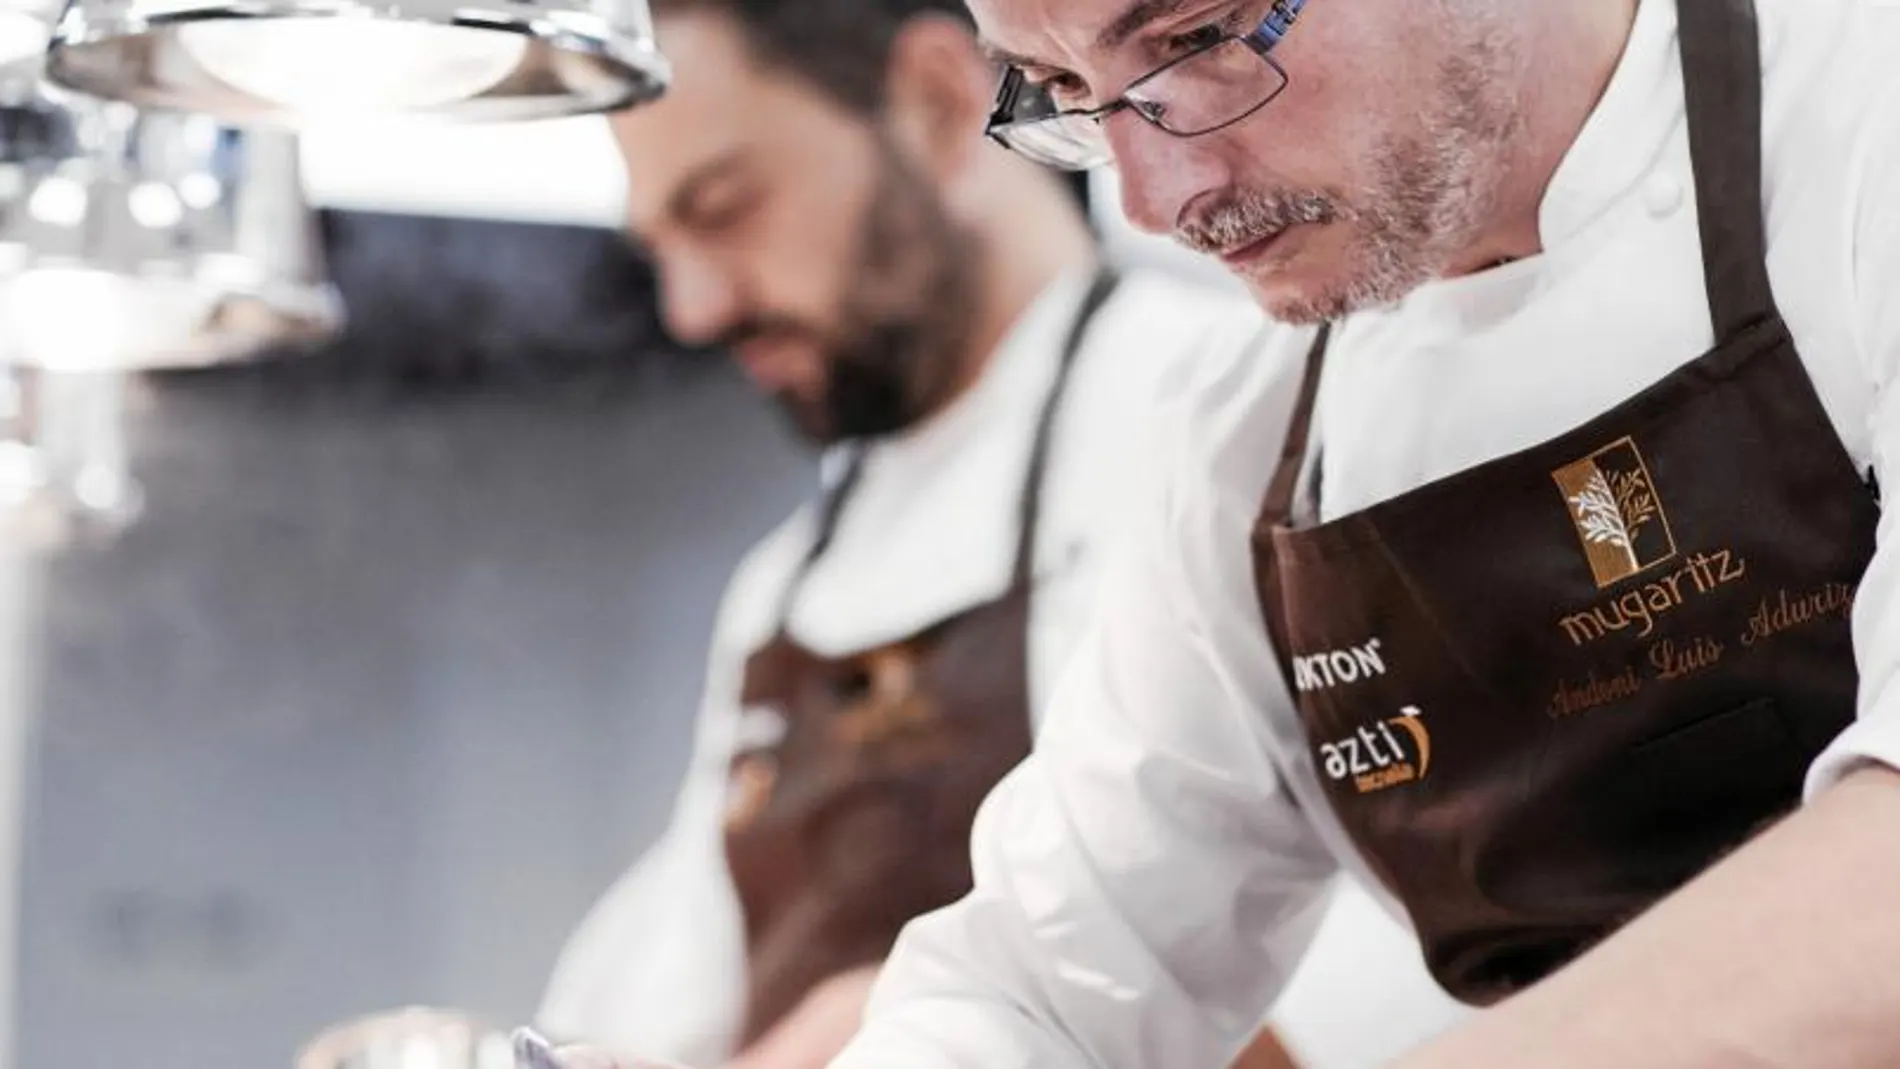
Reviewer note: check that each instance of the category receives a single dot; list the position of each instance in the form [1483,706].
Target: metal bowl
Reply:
[412,1038]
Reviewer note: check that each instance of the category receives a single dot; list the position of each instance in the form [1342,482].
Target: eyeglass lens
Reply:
[1199,94]
[1207,90]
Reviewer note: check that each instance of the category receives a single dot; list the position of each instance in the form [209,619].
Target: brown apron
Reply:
[1545,692]
[858,818]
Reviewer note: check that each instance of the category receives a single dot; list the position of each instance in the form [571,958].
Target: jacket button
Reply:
[1663,195]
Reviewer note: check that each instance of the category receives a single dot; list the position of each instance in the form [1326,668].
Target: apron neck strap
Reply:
[1721,67]
[1029,506]
[1278,505]
[830,507]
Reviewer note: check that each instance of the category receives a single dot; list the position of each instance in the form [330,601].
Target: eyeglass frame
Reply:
[1262,40]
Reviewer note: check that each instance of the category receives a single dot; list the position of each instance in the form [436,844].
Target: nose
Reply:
[699,298]
[1160,173]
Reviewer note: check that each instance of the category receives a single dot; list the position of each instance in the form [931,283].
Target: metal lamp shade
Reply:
[290,62]
[162,241]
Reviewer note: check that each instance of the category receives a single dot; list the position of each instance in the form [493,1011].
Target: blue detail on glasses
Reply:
[1279,22]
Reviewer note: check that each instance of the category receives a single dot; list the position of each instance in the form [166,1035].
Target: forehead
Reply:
[722,101]
[1064,33]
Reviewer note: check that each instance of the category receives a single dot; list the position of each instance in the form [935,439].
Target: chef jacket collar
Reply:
[1626,134]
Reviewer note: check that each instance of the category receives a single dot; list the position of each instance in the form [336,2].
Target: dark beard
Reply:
[906,320]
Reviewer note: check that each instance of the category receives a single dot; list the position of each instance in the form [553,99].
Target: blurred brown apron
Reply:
[858,818]
[1545,692]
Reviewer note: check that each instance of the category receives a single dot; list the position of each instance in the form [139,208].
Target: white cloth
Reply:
[1361,995]
[1146,880]
[657,967]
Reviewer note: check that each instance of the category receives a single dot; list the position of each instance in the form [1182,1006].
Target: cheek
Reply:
[1319,145]
[811,236]
[1325,126]
[798,252]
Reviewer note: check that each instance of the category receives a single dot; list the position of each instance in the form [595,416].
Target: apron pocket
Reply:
[1691,794]
[1642,820]
[1754,719]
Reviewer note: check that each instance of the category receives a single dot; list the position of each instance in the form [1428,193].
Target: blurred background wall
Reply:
[396,669]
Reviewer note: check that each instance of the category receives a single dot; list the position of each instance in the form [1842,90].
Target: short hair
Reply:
[843,47]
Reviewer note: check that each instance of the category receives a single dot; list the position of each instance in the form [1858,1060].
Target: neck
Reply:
[1568,54]
[1030,233]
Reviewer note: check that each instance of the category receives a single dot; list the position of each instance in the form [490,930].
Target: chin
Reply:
[1296,302]
[1310,291]
[1303,285]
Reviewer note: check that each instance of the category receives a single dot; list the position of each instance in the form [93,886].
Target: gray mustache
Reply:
[1241,221]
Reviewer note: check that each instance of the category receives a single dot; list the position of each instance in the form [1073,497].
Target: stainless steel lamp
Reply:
[128,243]
[25,28]
[136,241]
[296,61]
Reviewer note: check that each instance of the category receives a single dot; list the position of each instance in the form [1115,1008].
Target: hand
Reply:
[1265,1052]
[816,1030]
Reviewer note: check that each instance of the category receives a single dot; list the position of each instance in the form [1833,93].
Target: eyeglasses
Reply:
[1208,89]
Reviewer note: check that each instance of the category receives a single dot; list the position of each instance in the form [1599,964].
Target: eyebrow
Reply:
[1003,57]
[1135,18]
[713,169]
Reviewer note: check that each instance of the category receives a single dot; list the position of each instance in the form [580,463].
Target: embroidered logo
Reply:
[1394,751]
[1617,512]
[1338,668]
[749,789]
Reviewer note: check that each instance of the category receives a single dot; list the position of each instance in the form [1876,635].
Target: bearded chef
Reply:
[818,198]
[1536,572]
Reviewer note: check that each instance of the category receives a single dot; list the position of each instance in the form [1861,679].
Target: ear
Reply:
[938,94]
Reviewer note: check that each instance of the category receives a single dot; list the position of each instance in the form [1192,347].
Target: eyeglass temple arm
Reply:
[1278,23]
[1004,111]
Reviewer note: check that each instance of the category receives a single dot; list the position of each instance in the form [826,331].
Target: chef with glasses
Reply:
[1537,575]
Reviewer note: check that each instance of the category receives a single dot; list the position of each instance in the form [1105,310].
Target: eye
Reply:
[723,207]
[1063,91]
[1198,39]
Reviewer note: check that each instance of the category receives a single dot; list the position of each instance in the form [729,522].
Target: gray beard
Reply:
[1432,194]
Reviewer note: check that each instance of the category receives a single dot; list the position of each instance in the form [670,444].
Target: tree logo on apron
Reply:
[1617,512]
[884,701]
[750,787]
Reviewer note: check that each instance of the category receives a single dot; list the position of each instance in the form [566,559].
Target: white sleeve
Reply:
[1875,218]
[627,965]
[1143,883]
[656,969]
[1362,997]
[1090,506]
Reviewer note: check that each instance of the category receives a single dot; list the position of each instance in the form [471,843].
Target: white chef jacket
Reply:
[1361,995]
[657,968]
[1145,880]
